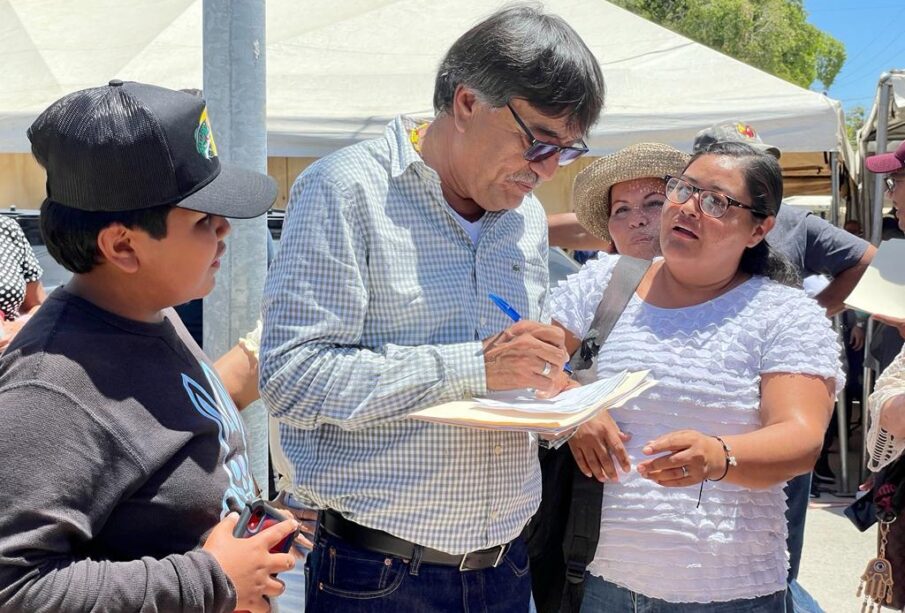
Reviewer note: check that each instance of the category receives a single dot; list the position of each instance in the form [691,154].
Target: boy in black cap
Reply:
[122,452]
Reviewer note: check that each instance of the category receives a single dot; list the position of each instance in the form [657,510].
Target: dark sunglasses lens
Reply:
[538,152]
[570,155]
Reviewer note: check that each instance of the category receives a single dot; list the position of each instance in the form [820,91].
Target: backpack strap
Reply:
[583,526]
[626,277]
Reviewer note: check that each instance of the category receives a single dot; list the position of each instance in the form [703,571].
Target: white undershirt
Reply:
[472,228]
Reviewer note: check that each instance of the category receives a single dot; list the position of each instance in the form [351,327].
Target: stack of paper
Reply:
[520,410]
[881,291]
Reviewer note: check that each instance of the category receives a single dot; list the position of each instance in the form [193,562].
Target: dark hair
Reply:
[71,234]
[520,52]
[763,180]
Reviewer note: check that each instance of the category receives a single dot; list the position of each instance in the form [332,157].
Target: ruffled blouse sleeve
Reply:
[800,338]
[574,301]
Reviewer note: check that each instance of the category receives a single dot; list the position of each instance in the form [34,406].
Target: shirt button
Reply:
[494,514]
[498,450]
[483,321]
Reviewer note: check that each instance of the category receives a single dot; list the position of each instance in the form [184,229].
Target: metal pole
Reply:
[876,234]
[235,89]
[841,405]
[868,384]
[876,220]
[842,420]
[834,179]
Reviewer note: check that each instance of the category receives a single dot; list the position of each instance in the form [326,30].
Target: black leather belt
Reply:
[382,542]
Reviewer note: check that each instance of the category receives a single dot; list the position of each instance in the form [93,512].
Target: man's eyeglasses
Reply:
[538,150]
[891,182]
[713,204]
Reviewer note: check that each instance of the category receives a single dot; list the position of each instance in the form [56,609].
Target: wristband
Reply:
[730,459]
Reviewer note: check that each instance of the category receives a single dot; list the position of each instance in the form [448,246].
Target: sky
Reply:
[873,32]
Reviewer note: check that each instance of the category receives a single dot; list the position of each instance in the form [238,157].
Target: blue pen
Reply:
[514,316]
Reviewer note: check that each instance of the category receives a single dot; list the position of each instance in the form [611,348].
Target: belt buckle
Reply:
[499,558]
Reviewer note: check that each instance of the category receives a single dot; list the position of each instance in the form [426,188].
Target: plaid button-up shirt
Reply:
[374,307]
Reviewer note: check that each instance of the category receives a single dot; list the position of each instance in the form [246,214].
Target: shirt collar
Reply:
[403,156]
[402,152]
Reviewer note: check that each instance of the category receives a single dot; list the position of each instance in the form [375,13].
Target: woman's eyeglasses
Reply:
[891,182]
[713,204]
[538,150]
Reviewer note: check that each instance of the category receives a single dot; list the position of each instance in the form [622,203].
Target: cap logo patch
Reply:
[746,130]
[204,137]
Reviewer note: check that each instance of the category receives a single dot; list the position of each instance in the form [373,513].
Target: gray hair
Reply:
[520,52]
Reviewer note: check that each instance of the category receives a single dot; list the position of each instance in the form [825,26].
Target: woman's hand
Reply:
[856,339]
[691,457]
[598,445]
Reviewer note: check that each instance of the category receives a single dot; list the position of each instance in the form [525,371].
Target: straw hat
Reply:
[592,185]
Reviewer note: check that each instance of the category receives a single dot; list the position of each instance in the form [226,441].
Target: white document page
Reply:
[574,400]
[881,291]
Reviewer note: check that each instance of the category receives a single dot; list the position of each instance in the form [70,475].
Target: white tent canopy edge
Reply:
[337,72]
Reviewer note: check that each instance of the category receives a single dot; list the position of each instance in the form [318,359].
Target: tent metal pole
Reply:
[868,381]
[235,90]
[841,404]
[842,424]
[885,87]
[834,179]
[876,234]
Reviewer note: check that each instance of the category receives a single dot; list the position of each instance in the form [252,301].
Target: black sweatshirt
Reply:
[119,448]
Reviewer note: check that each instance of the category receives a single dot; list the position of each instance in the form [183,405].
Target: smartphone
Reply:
[259,515]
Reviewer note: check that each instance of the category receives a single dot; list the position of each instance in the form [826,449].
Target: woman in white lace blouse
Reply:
[747,369]
[886,436]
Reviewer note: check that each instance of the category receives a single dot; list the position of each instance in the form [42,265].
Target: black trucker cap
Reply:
[128,146]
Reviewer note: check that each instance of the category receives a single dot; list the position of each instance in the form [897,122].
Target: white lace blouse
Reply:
[708,360]
[883,446]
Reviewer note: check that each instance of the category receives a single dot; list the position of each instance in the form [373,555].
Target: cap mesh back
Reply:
[104,152]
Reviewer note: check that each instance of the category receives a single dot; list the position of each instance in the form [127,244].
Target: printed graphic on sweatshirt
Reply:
[222,411]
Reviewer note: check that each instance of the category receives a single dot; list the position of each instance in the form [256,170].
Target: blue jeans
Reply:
[801,601]
[798,491]
[602,596]
[343,578]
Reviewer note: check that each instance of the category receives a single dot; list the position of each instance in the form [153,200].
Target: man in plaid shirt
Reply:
[377,306]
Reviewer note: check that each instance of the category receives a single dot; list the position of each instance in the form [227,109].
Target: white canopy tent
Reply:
[337,72]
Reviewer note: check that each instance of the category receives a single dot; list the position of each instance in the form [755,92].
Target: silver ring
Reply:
[684,472]
[546,370]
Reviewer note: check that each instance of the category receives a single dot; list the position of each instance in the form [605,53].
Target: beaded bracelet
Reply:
[730,459]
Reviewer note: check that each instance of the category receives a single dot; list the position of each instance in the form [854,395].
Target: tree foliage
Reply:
[772,35]
[854,119]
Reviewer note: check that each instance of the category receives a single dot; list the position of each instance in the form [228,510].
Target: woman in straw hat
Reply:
[619,197]
[747,369]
